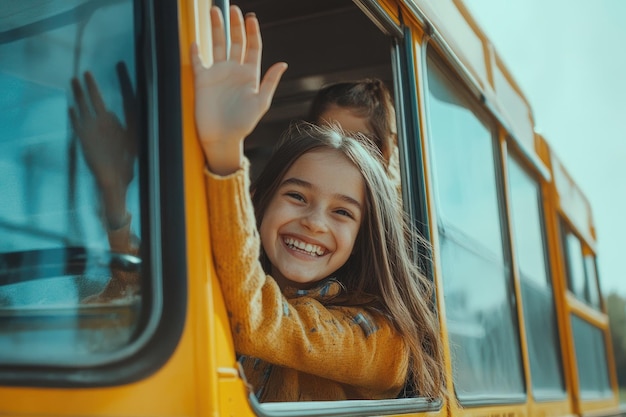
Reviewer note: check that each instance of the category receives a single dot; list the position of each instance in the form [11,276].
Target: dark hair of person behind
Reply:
[368,98]
[382,274]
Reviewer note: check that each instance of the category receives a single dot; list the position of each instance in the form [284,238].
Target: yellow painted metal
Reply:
[220,391]
[502,142]
[566,302]
[169,392]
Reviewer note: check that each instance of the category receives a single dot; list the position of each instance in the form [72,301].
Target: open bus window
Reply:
[54,251]
[480,307]
[323,42]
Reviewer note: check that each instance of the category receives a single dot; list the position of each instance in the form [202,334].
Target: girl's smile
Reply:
[312,222]
[310,249]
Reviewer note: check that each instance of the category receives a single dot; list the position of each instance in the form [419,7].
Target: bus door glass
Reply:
[57,304]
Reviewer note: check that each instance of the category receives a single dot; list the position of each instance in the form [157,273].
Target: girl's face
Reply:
[347,119]
[312,221]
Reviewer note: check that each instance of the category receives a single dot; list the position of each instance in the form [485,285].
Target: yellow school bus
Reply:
[513,256]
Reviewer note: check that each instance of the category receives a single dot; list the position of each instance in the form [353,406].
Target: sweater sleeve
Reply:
[345,344]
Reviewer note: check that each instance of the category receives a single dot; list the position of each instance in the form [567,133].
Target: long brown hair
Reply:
[382,273]
[368,98]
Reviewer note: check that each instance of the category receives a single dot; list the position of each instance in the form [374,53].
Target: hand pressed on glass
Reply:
[110,151]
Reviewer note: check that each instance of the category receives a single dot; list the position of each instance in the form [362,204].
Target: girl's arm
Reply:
[230,97]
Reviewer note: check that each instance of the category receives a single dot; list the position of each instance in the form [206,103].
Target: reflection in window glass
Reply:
[480,314]
[593,293]
[593,376]
[581,271]
[483,339]
[527,224]
[464,168]
[575,266]
[55,254]
[538,302]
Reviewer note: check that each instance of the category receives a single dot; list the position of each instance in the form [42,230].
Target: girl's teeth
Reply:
[307,247]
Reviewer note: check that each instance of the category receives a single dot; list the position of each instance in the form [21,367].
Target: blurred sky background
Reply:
[569,59]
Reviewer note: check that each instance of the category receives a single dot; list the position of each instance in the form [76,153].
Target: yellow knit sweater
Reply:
[297,345]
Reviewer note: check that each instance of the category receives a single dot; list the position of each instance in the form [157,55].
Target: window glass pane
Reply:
[481,325]
[480,313]
[593,377]
[464,165]
[593,293]
[538,303]
[527,224]
[543,341]
[55,252]
[581,271]
[575,265]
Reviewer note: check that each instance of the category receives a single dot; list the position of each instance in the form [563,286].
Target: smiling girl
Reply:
[324,300]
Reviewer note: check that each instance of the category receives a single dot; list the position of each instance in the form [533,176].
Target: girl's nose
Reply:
[315,220]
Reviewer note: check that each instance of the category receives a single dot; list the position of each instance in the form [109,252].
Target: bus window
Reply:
[323,42]
[480,312]
[581,270]
[575,265]
[591,360]
[592,281]
[537,296]
[54,251]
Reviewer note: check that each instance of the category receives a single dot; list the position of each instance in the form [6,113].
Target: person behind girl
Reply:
[363,106]
[321,291]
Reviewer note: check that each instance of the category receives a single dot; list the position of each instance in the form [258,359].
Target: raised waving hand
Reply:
[230,96]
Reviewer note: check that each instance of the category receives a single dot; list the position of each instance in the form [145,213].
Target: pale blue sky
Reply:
[569,58]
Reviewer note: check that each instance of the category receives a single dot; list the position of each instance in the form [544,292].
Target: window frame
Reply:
[475,102]
[565,232]
[532,175]
[163,227]
[402,60]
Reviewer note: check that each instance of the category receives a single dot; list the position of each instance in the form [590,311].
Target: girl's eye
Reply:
[345,213]
[295,196]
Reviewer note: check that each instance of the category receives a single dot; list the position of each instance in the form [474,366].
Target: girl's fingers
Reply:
[254,46]
[270,82]
[218,35]
[237,35]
